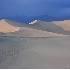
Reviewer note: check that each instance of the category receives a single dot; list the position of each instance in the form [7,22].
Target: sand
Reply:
[63,24]
[30,33]
[34,46]
[27,53]
[25,31]
[60,27]
[6,27]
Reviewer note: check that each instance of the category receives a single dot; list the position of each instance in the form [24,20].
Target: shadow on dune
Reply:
[50,27]
[41,25]
[57,29]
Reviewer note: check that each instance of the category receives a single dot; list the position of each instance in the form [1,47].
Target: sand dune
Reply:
[63,24]
[36,28]
[60,27]
[24,53]
[30,32]
[26,30]
[6,27]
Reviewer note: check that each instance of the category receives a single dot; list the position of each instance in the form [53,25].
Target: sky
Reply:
[34,7]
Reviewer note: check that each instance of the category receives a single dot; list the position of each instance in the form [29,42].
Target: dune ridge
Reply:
[60,27]
[36,28]
[6,27]
[24,31]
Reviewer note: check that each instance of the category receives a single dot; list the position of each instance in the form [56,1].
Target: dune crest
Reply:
[6,27]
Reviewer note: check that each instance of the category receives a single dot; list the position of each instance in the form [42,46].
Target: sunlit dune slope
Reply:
[63,24]
[6,27]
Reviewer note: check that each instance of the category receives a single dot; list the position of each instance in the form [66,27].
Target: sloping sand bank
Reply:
[6,27]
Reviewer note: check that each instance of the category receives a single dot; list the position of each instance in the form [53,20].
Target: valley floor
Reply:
[25,53]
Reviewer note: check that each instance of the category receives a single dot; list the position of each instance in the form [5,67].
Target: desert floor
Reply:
[25,53]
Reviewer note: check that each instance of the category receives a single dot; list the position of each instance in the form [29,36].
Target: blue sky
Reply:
[34,7]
